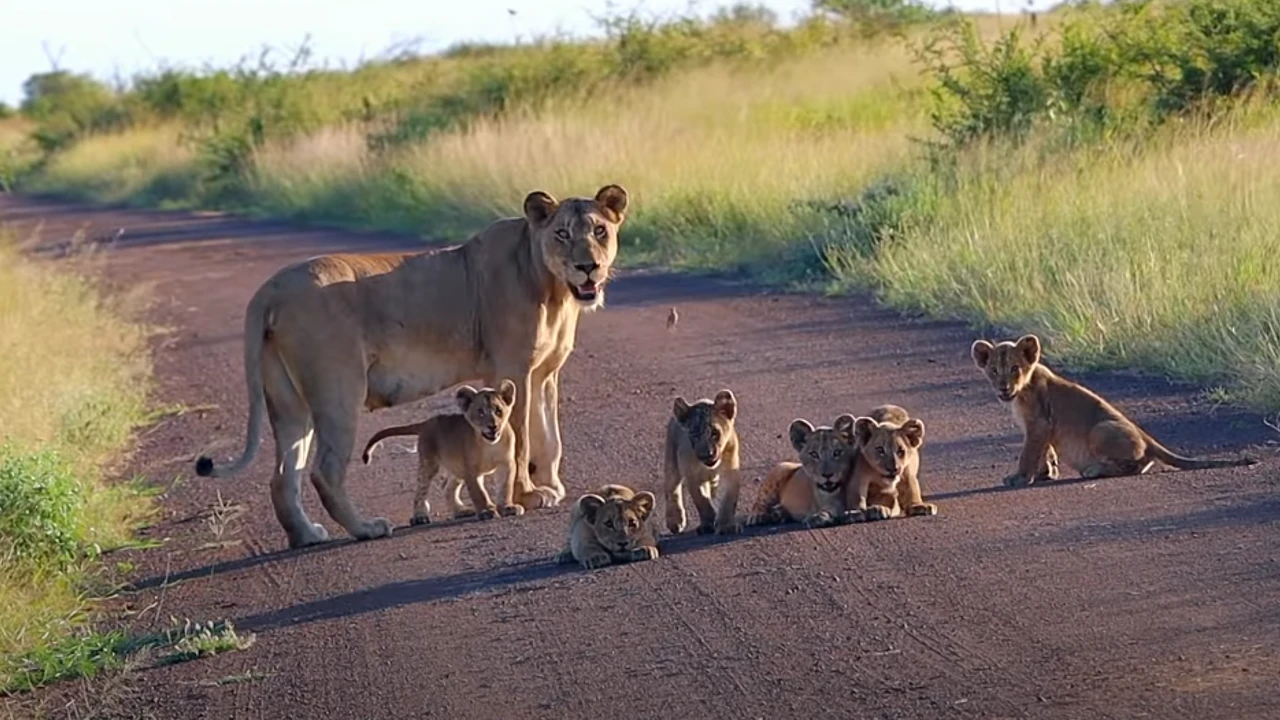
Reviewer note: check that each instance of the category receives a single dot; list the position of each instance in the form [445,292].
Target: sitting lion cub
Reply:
[469,447]
[886,476]
[610,526]
[1060,418]
[700,451]
[812,490]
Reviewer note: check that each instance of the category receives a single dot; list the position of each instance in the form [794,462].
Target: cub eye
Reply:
[813,454]
[836,453]
[608,524]
[715,435]
[600,231]
[880,451]
[901,452]
[562,234]
[632,524]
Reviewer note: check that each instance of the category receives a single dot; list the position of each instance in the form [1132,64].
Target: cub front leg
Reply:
[506,475]
[1033,457]
[730,487]
[672,487]
[702,494]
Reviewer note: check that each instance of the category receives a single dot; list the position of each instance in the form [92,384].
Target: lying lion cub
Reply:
[1060,418]
[886,476]
[701,450]
[610,526]
[478,443]
[813,490]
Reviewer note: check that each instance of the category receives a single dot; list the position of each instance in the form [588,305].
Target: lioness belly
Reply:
[398,380]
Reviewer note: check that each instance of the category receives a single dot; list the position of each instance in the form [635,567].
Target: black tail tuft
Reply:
[204,466]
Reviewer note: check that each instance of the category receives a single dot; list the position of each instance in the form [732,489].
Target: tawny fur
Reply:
[327,336]
[812,491]
[1063,420]
[886,475]
[610,526]
[701,454]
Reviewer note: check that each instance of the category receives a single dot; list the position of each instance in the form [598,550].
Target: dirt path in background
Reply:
[1138,597]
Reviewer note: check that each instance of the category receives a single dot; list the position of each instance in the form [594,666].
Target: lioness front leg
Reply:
[545,447]
[1035,447]
[1049,470]
[506,475]
[520,422]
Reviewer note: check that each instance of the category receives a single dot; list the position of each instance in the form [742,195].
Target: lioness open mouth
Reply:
[586,292]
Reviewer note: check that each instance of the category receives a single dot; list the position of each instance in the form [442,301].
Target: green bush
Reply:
[41,506]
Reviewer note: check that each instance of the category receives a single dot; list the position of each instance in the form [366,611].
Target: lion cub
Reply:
[886,476]
[813,490]
[469,447]
[701,451]
[610,526]
[1060,418]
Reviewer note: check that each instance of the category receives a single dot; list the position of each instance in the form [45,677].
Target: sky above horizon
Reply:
[119,38]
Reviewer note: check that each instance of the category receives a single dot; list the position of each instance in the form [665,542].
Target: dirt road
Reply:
[1149,596]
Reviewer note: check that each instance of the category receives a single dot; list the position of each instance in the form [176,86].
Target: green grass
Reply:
[73,387]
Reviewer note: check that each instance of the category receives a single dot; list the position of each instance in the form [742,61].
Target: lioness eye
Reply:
[600,231]
[562,234]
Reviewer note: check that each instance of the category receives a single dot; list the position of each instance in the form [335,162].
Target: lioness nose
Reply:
[587,268]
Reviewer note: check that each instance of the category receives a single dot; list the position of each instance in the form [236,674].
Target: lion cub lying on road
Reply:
[1060,418]
[478,443]
[813,490]
[886,476]
[610,526]
[701,453]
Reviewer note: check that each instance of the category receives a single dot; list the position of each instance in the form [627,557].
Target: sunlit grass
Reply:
[144,167]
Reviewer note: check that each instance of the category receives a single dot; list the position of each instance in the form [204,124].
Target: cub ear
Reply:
[680,409]
[981,352]
[913,431]
[643,503]
[844,427]
[800,432]
[539,207]
[614,199]
[726,404]
[862,429]
[590,505]
[464,397]
[1029,347]
[507,391]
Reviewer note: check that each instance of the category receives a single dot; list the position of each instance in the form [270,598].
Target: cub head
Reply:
[1008,364]
[578,238]
[709,424]
[487,409]
[617,523]
[827,453]
[888,447]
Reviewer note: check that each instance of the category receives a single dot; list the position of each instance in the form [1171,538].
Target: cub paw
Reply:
[773,516]
[877,512]
[488,513]
[374,529]
[732,527]
[922,510]
[564,557]
[706,529]
[596,561]
[854,516]
[421,520]
[1017,480]
[819,520]
[644,553]
[511,510]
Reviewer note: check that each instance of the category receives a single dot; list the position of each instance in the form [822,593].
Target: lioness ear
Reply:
[614,199]
[507,391]
[981,352]
[800,432]
[862,429]
[643,502]
[1029,347]
[539,207]
[590,505]
[913,431]
[844,427]
[680,409]
[726,404]
[465,395]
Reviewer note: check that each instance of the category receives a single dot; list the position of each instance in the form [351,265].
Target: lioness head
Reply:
[487,409]
[888,447]
[578,238]
[827,453]
[709,424]
[1008,364]
[618,523]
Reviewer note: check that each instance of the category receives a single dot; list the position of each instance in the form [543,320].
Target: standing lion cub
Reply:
[1062,419]
[469,447]
[610,526]
[701,451]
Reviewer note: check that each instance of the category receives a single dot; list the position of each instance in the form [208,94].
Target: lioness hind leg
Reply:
[335,438]
[291,426]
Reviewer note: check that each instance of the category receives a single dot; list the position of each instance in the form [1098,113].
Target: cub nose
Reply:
[587,268]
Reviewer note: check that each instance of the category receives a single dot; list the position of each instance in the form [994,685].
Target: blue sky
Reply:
[121,37]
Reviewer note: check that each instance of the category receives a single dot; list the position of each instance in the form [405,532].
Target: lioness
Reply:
[325,336]
[813,490]
[1060,418]
[469,447]
[886,476]
[610,526]
[701,450]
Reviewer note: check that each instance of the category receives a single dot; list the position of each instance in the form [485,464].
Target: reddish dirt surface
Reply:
[1147,596]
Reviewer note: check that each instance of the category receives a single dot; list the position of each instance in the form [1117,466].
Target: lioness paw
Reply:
[706,529]
[488,513]
[375,528]
[729,527]
[922,510]
[1017,480]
